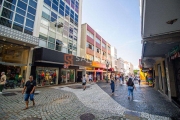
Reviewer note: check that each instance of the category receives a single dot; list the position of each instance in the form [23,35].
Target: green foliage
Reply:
[135,72]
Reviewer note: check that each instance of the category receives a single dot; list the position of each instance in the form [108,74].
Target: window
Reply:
[109,48]
[88,45]
[44,22]
[98,41]
[53,15]
[46,13]
[42,36]
[104,53]
[43,30]
[29,23]
[61,12]
[20,11]
[9,5]
[90,34]
[48,2]
[52,40]
[42,43]
[7,13]
[30,16]
[22,5]
[103,45]
[32,3]
[12,1]
[98,51]
[55,7]
[28,30]
[17,26]
[51,46]
[31,10]
[55,2]
[19,19]
[5,22]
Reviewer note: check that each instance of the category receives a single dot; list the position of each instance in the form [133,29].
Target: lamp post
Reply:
[107,65]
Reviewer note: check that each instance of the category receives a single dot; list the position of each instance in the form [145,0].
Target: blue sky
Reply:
[118,22]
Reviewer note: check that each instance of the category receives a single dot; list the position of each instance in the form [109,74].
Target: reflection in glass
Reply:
[17,26]
[5,22]
[28,31]
[7,13]
[9,5]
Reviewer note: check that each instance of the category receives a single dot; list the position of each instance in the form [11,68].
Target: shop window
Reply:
[47,76]
[17,26]
[5,22]
[7,13]
[9,6]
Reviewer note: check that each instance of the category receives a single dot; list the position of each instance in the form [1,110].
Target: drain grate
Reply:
[9,94]
[77,87]
[116,118]
[32,118]
[87,116]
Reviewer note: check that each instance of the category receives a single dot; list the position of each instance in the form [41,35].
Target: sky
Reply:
[118,22]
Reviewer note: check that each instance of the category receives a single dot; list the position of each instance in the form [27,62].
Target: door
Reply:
[79,76]
[160,78]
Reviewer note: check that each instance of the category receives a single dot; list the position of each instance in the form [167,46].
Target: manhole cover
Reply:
[87,116]
[77,87]
[9,94]
[32,118]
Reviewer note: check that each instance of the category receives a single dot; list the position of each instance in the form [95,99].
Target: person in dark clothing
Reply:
[131,87]
[112,85]
[30,87]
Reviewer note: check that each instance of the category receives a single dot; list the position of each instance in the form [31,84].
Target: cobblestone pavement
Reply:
[146,99]
[65,103]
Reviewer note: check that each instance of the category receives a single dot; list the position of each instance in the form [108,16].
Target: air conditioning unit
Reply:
[59,24]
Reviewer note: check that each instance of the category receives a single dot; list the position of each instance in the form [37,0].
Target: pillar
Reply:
[163,78]
[29,64]
[156,77]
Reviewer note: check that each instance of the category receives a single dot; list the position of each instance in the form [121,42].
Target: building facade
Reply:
[120,66]
[17,40]
[160,45]
[114,58]
[96,49]
[30,36]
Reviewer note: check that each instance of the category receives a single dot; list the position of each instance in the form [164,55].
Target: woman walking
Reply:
[84,82]
[131,87]
[112,85]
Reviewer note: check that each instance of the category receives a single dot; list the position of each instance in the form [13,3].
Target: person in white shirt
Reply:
[84,82]
[90,78]
[2,81]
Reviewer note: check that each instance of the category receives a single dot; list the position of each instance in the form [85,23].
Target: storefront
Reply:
[56,67]
[13,61]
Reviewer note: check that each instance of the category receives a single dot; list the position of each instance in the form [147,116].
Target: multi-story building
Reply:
[54,31]
[96,49]
[128,68]
[120,66]
[114,58]
[161,45]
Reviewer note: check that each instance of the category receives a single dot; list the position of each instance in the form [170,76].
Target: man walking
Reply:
[90,78]
[30,87]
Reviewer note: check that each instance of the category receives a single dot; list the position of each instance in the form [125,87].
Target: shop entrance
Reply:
[67,75]
[79,76]
[177,76]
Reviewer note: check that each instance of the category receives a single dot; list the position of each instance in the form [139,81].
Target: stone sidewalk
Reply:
[68,103]
[146,99]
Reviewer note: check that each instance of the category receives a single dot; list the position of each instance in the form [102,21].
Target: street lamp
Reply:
[107,65]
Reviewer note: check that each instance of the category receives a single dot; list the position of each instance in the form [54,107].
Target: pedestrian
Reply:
[112,85]
[90,78]
[30,87]
[84,82]
[120,80]
[2,81]
[131,87]
[139,81]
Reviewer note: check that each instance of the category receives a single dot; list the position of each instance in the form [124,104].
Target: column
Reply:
[163,77]
[29,64]
[156,77]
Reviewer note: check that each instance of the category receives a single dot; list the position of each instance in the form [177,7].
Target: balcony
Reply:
[89,51]
[15,36]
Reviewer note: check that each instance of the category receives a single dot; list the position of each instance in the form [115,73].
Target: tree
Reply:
[136,72]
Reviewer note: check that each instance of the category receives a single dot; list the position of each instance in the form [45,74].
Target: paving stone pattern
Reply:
[146,100]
